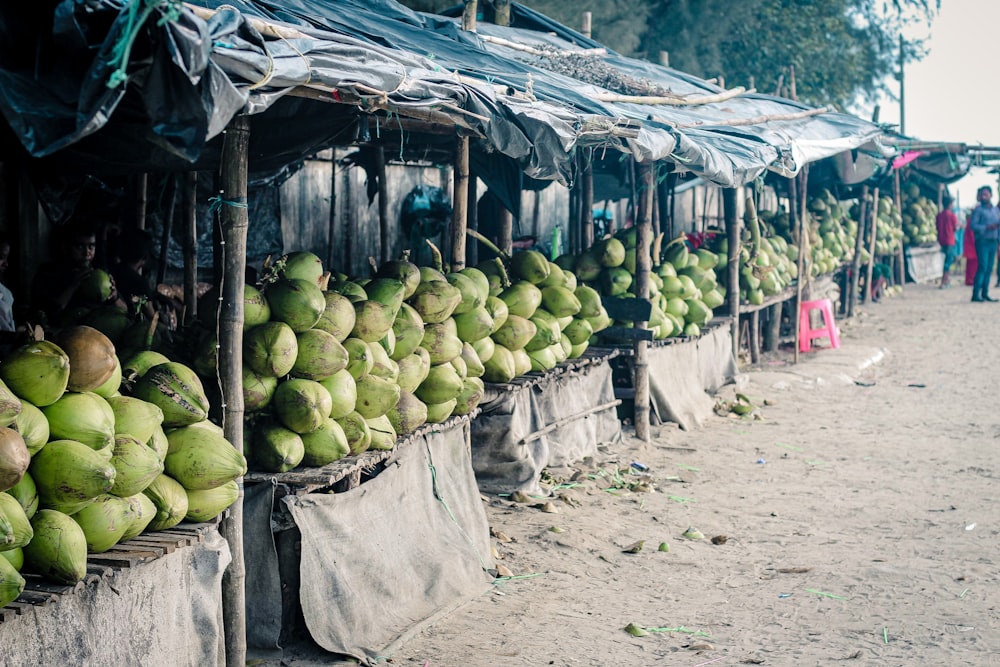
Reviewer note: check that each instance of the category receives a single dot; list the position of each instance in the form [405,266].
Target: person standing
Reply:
[947,226]
[985,224]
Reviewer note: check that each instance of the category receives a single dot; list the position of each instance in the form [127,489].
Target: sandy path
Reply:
[861,520]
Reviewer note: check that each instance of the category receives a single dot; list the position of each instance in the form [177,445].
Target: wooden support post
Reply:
[586,26]
[754,341]
[506,231]
[732,222]
[501,12]
[460,205]
[469,16]
[472,217]
[772,328]
[384,233]
[873,231]
[189,245]
[234,222]
[587,204]
[796,220]
[901,256]
[141,198]
[643,266]
[168,225]
[859,244]
[331,223]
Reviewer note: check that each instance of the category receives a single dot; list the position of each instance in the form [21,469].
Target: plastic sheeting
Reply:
[164,613]
[383,560]
[683,375]
[556,420]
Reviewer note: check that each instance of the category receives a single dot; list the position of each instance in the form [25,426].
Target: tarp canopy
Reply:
[91,82]
[728,142]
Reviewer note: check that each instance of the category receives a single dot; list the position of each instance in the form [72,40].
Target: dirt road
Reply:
[859,516]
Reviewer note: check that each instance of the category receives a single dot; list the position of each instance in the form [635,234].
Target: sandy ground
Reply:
[856,515]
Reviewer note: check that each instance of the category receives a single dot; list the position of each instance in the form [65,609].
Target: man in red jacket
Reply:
[947,225]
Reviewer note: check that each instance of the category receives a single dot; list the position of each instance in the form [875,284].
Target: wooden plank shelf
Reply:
[593,355]
[40,592]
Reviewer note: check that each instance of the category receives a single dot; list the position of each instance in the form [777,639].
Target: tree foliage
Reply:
[842,51]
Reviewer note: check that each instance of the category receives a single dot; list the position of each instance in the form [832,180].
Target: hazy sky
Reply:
[954,93]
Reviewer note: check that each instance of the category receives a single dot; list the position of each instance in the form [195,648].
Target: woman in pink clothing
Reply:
[969,253]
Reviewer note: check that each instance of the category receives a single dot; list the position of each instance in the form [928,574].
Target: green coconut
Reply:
[471,295]
[499,368]
[170,500]
[403,270]
[26,494]
[176,390]
[442,384]
[14,457]
[104,521]
[325,445]
[547,331]
[522,298]
[497,310]
[350,289]
[435,300]
[303,265]
[530,265]
[113,384]
[136,465]
[271,349]
[14,557]
[470,397]
[84,417]
[473,364]
[409,413]
[382,365]
[201,458]
[258,389]
[343,391]
[338,316]
[11,581]
[440,343]
[158,442]
[484,348]
[256,310]
[479,279]
[376,396]
[383,433]
[359,436]
[135,417]
[439,412]
[578,331]
[37,372]
[58,550]
[543,360]
[359,357]
[141,512]
[387,291]
[413,369]
[408,329]
[96,286]
[302,405]
[560,301]
[69,475]
[137,364]
[474,324]
[515,332]
[522,362]
[372,320]
[320,355]
[16,524]
[296,302]
[276,448]
[206,504]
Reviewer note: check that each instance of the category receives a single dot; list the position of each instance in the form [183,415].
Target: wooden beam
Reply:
[643,267]
[586,221]
[859,244]
[234,222]
[732,224]
[141,193]
[873,232]
[189,213]
[469,16]
[384,231]
[460,205]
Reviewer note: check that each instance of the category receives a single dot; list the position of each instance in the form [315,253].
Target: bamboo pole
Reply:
[506,231]
[643,266]
[587,24]
[331,227]
[189,207]
[793,211]
[859,244]
[586,221]
[867,294]
[755,120]
[732,222]
[472,217]
[168,223]
[141,199]
[469,16]
[501,12]
[460,205]
[234,221]
[901,256]
[672,100]
[384,232]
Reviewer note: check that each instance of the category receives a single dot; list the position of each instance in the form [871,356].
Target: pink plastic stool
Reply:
[828,330]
